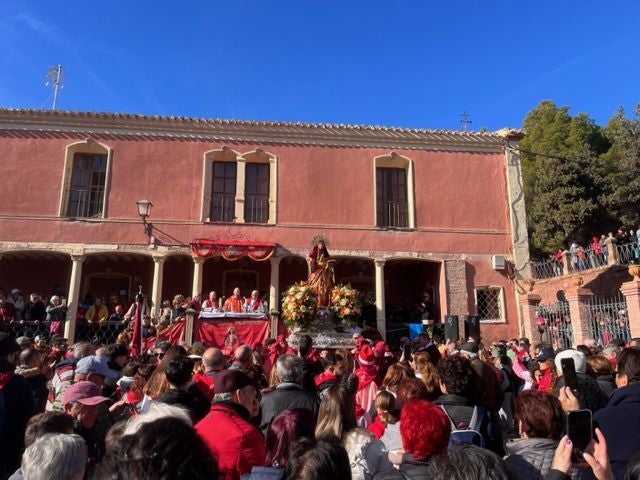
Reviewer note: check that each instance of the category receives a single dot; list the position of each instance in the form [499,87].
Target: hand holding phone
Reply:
[579,429]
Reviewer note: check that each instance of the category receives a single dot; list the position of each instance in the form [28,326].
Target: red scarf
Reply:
[324,377]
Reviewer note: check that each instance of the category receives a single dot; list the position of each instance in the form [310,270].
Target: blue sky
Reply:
[404,63]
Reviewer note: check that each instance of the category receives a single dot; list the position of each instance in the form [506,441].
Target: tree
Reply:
[623,167]
[563,176]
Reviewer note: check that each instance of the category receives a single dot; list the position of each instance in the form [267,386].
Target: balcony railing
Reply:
[393,214]
[256,209]
[223,208]
[84,203]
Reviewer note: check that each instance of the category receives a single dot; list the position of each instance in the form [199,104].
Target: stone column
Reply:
[631,292]
[566,262]
[274,295]
[73,297]
[198,267]
[381,318]
[156,291]
[529,303]
[578,299]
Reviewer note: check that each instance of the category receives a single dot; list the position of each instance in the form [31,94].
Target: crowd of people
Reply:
[595,253]
[431,409]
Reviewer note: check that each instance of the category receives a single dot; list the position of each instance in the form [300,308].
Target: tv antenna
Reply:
[465,122]
[54,77]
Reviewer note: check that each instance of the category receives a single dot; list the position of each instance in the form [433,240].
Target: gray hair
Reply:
[82,349]
[289,368]
[612,349]
[157,411]
[57,455]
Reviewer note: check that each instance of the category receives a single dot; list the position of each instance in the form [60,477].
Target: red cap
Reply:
[365,357]
[86,393]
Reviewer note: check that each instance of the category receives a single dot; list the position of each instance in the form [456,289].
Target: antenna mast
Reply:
[54,77]
[465,122]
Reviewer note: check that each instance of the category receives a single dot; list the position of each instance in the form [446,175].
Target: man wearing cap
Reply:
[17,406]
[236,443]
[545,361]
[81,401]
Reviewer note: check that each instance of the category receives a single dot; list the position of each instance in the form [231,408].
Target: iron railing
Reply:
[554,325]
[85,203]
[393,214]
[608,319]
[628,253]
[546,268]
[223,208]
[104,334]
[256,208]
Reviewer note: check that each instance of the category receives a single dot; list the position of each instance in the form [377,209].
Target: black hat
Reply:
[8,344]
[471,347]
[228,381]
[546,353]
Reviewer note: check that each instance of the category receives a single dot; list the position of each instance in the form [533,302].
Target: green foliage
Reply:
[579,179]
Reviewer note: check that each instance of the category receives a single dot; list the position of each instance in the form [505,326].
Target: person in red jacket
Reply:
[233,441]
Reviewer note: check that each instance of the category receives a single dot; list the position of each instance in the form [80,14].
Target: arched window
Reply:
[85,180]
[394,195]
[239,188]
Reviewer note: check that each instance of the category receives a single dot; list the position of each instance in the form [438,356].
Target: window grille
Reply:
[391,202]
[490,304]
[223,193]
[256,200]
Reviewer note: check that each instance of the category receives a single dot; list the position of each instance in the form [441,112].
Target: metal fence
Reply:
[28,329]
[608,319]
[628,253]
[96,334]
[546,268]
[554,325]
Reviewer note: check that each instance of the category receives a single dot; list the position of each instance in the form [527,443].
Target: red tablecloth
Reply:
[219,333]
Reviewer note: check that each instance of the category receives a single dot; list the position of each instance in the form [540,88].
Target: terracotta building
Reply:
[404,210]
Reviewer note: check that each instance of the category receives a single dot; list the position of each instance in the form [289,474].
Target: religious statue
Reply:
[321,274]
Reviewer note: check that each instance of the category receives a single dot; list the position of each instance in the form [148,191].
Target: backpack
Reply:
[471,434]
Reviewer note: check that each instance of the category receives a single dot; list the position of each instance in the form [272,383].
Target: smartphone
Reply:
[408,348]
[569,374]
[580,431]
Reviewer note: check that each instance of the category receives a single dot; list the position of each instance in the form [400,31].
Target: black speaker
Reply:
[451,332]
[472,327]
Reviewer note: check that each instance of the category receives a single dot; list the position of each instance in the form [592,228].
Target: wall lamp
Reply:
[144,210]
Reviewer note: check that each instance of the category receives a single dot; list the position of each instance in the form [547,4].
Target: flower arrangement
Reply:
[345,303]
[298,306]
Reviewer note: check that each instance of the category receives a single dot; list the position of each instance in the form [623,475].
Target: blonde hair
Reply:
[428,372]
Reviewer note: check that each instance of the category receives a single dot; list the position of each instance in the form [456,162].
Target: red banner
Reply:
[229,335]
[173,334]
[233,250]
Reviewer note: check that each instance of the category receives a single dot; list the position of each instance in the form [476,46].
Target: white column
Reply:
[73,297]
[274,294]
[380,306]
[156,291]
[198,268]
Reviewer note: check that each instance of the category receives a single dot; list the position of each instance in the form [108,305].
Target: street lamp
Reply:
[144,209]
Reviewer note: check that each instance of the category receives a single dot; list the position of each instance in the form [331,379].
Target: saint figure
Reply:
[321,274]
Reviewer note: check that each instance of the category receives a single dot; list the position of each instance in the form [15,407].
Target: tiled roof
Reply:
[156,126]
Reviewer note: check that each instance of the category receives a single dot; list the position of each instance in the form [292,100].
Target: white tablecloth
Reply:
[216,315]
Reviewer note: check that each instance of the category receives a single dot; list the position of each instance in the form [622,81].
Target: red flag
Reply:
[136,341]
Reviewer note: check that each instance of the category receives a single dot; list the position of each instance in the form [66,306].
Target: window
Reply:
[490,304]
[256,193]
[239,187]
[85,181]
[86,191]
[391,202]
[393,187]
[223,199]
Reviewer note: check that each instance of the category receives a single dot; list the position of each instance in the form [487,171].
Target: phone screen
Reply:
[579,428]
[569,374]
[407,351]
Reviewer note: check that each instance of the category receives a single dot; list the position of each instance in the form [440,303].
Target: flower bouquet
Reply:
[298,306]
[345,304]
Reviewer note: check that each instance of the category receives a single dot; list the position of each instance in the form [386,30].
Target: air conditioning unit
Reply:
[498,262]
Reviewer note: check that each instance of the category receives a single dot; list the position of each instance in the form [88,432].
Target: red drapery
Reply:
[233,249]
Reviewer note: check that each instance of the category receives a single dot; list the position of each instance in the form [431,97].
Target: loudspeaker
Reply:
[451,332]
[471,327]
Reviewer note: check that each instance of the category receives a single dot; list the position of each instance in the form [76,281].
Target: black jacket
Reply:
[285,396]
[590,395]
[410,469]
[19,406]
[620,424]
[193,401]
